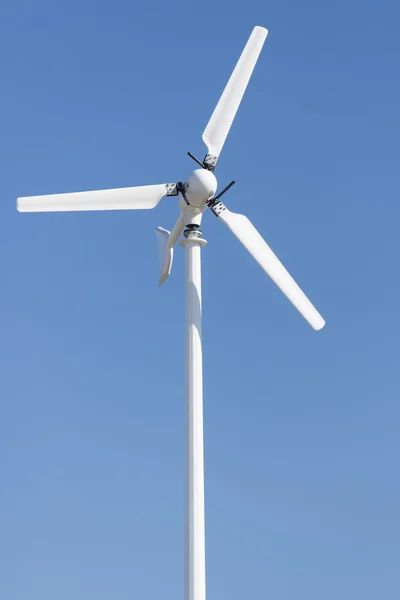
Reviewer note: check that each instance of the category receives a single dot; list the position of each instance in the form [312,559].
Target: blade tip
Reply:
[320,324]
[261,29]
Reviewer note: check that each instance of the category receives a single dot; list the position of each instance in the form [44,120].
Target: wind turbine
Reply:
[195,196]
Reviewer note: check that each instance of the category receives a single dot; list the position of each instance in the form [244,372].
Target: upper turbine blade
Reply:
[141,197]
[221,120]
[259,249]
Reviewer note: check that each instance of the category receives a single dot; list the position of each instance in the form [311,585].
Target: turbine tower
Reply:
[195,196]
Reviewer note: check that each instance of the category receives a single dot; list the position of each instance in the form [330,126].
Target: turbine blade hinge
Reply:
[218,196]
[218,208]
[171,189]
[210,162]
[182,189]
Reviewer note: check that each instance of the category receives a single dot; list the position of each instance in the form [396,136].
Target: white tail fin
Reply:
[166,243]
[165,254]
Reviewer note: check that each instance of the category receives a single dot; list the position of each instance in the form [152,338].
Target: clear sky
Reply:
[301,428]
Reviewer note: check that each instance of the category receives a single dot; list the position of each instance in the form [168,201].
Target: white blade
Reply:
[221,120]
[142,197]
[259,249]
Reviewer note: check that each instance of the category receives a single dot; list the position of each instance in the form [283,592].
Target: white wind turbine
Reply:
[195,196]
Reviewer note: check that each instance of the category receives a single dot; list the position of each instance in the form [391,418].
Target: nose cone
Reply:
[200,187]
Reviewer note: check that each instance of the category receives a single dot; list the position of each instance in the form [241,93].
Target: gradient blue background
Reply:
[301,428]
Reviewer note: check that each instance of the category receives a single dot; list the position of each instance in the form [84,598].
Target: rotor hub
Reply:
[200,187]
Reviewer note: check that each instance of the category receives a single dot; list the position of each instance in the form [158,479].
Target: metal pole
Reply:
[195,571]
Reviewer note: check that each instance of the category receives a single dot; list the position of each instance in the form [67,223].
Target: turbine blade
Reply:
[141,197]
[259,249]
[221,120]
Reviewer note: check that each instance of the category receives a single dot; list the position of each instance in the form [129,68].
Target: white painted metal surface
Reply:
[195,569]
[259,249]
[140,197]
[218,127]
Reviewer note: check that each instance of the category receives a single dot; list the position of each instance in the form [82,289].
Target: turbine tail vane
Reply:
[166,243]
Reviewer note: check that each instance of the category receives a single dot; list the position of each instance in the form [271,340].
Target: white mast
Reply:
[195,570]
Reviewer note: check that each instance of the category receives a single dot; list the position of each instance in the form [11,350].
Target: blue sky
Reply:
[301,428]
